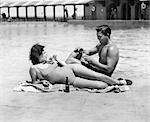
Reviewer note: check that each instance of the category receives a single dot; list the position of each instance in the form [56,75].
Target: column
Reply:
[35,10]
[26,12]
[54,12]
[74,8]
[17,8]
[84,17]
[64,12]
[8,11]
[44,7]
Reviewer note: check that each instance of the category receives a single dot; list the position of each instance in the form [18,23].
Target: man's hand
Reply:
[88,59]
[78,49]
[83,61]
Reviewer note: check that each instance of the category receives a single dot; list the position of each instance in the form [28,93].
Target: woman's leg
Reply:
[85,83]
[82,71]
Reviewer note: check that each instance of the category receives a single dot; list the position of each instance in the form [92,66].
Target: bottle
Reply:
[67,86]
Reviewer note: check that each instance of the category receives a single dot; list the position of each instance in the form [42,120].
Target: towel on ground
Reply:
[37,88]
[114,88]
[29,87]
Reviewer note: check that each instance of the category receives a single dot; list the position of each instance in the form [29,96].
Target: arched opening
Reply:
[93,12]
[145,10]
[126,11]
[148,12]
[137,11]
[112,12]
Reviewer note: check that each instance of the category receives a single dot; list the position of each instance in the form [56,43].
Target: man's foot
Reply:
[122,88]
[125,81]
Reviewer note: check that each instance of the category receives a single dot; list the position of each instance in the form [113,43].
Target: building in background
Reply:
[118,10]
[47,10]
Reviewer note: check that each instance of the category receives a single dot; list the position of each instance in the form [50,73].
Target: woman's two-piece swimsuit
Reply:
[56,75]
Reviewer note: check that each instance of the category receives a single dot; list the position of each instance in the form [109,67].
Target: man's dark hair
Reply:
[105,29]
[35,53]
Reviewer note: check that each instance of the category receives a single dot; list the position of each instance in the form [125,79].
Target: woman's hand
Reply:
[52,59]
[55,57]
[35,82]
[45,83]
[60,63]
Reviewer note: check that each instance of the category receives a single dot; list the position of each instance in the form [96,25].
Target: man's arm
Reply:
[91,51]
[112,60]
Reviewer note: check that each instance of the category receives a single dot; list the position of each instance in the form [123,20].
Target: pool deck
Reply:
[114,24]
[76,106]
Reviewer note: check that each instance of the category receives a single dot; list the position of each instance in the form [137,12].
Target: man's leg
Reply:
[84,72]
[92,84]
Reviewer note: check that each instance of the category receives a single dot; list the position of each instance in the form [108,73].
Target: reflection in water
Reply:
[18,30]
[9,33]
[61,38]
[26,29]
[45,29]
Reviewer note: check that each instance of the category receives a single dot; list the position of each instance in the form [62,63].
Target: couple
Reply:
[79,66]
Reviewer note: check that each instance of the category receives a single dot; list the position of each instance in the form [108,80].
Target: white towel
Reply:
[28,87]
[115,89]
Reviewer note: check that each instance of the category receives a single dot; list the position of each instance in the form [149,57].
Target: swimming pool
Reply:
[16,40]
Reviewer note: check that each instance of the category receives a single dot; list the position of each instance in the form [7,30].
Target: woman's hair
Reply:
[35,53]
[105,29]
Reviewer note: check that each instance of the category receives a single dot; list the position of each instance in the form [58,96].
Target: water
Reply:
[16,40]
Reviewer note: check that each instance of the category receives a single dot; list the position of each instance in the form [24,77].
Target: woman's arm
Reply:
[32,72]
[36,77]
[60,63]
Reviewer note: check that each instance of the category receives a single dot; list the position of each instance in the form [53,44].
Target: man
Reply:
[107,51]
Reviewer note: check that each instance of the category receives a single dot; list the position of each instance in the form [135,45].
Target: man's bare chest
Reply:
[103,55]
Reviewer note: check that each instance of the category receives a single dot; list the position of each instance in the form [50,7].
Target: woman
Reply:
[56,72]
